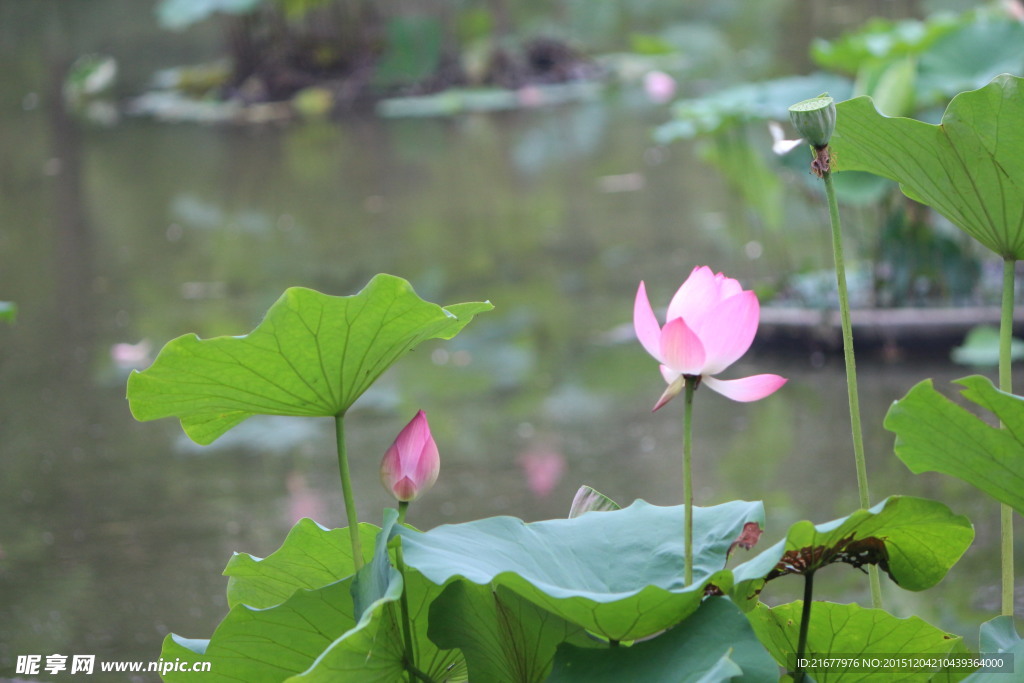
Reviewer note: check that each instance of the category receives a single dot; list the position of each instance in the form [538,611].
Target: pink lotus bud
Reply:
[411,464]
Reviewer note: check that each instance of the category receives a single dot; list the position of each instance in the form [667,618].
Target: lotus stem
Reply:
[691,387]
[1006,384]
[805,621]
[410,653]
[346,492]
[851,365]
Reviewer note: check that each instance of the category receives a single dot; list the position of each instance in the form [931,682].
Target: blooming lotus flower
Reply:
[711,322]
[411,464]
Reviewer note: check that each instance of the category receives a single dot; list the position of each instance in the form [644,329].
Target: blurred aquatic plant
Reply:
[907,67]
[8,311]
[179,14]
[981,348]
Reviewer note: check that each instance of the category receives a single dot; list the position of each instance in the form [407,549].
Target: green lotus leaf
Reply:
[563,565]
[315,636]
[969,168]
[377,655]
[715,644]
[503,636]
[838,630]
[998,636]
[310,557]
[933,434]
[312,355]
[270,645]
[318,631]
[914,540]
[372,652]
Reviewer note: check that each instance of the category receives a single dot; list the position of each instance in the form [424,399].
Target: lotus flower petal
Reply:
[648,331]
[729,330]
[697,295]
[682,348]
[746,389]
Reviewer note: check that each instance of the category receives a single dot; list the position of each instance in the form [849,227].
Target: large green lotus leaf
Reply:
[374,652]
[373,586]
[563,565]
[933,434]
[852,631]
[505,638]
[998,636]
[310,557]
[312,355]
[915,540]
[312,636]
[270,645]
[716,643]
[969,168]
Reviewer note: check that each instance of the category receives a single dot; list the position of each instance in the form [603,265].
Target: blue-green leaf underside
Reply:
[563,565]
[714,644]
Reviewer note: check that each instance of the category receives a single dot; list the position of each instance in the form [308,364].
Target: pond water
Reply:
[113,533]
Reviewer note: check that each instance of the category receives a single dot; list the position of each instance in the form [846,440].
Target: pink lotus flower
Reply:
[411,464]
[711,322]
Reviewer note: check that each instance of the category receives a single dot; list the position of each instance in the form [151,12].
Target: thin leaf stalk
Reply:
[691,387]
[805,621]
[1006,384]
[346,492]
[851,368]
[403,602]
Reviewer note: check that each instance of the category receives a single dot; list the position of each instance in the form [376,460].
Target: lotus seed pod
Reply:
[815,119]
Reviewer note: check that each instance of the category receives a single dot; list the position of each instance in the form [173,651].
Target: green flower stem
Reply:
[410,653]
[851,369]
[1006,384]
[805,621]
[346,492]
[691,387]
